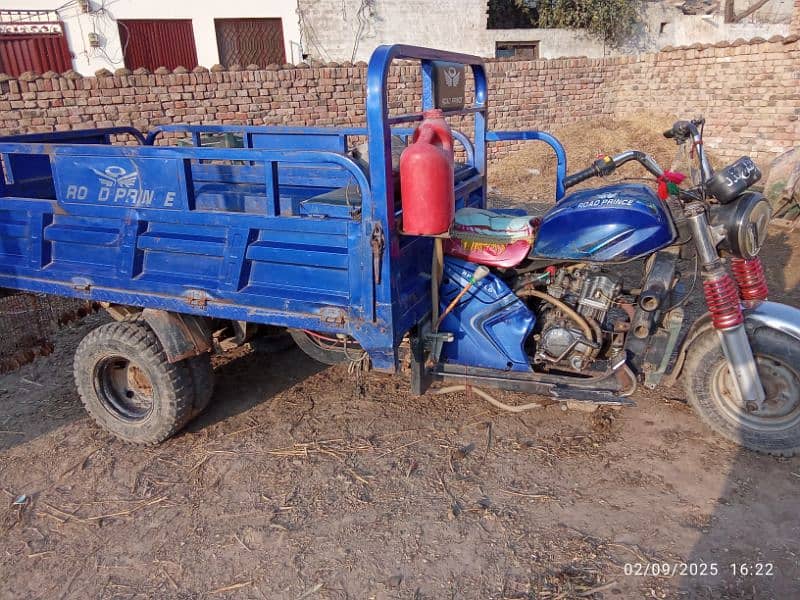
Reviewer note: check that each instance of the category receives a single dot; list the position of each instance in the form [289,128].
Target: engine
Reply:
[565,342]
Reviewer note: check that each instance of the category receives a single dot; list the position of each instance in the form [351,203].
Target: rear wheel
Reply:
[202,374]
[775,428]
[128,386]
[200,369]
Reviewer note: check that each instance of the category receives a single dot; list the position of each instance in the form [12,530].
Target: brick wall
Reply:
[748,91]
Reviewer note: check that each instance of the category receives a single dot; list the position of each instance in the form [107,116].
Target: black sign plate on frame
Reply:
[448,85]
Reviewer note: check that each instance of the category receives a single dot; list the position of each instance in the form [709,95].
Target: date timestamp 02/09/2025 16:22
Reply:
[699,569]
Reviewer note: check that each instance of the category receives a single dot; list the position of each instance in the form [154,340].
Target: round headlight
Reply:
[745,222]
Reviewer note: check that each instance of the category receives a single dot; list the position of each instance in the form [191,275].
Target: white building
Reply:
[111,34]
[88,35]
[348,30]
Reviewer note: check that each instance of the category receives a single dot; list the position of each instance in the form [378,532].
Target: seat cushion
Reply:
[491,238]
[471,223]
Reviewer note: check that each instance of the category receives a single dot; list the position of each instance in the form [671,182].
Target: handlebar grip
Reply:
[680,130]
[580,176]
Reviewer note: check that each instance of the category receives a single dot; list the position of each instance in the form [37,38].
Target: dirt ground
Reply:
[304,482]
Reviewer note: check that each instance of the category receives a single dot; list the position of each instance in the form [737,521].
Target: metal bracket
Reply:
[435,341]
[378,243]
[673,321]
[332,315]
[197,298]
[432,341]
[81,285]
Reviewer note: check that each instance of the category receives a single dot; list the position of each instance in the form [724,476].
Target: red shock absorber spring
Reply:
[749,275]
[722,298]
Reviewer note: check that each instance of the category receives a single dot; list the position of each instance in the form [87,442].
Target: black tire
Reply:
[202,381]
[148,402]
[200,369]
[331,354]
[775,429]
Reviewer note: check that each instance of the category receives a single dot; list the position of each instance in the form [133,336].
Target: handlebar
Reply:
[608,164]
[580,176]
[681,131]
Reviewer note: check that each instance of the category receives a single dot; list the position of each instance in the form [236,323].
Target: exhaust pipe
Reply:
[642,324]
[653,297]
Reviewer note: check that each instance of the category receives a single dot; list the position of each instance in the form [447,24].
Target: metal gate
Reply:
[153,43]
[32,40]
[250,42]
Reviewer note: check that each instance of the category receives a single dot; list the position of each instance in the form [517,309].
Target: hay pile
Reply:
[530,173]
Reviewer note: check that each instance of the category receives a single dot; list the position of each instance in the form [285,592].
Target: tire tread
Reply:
[704,353]
[175,406]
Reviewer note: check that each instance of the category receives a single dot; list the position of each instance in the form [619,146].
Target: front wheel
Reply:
[773,429]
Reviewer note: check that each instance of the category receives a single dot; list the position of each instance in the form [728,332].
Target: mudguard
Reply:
[781,317]
[182,336]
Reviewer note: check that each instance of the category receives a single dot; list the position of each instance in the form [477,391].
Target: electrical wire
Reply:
[321,337]
[358,361]
[103,12]
[489,398]
[308,31]
[362,23]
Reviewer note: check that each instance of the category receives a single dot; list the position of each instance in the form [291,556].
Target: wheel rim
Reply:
[781,408]
[124,388]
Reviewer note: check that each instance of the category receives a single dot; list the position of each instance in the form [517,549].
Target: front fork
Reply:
[725,305]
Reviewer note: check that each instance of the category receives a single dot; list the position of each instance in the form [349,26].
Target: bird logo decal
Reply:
[114,175]
[452,76]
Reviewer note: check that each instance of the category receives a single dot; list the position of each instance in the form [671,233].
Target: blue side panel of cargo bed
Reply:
[284,229]
[158,227]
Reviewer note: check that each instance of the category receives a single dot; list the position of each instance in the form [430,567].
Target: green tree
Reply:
[511,14]
[612,20]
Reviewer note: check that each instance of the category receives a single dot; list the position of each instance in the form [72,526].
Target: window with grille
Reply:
[250,42]
[516,50]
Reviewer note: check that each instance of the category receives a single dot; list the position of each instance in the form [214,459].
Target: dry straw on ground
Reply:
[530,172]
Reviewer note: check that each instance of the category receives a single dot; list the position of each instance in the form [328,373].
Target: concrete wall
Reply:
[774,11]
[335,30]
[88,60]
[664,26]
[796,18]
[747,91]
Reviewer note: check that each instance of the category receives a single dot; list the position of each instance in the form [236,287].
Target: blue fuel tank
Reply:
[615,223]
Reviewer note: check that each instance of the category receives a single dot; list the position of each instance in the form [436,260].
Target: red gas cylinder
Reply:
[426,177]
